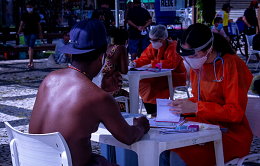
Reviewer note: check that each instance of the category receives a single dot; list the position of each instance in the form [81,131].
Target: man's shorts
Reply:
[30,40]
[141,43]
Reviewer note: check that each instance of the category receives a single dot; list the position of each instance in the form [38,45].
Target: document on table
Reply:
[163,112]
[148,69]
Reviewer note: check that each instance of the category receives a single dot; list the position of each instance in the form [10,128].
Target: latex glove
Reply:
[147,66]
[132,64]
[183,106]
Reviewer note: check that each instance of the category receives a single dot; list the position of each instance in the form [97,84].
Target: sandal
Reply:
[29,67]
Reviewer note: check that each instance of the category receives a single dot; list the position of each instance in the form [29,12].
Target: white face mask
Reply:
[29,10]
[103,65]
[196,63]
[157,45]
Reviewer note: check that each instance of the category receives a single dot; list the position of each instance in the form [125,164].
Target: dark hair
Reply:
[137,2]
[89,57]
[130,5]
[217,19]
[64,33]
[30,3]
[225,6]
[104,2]
[199,34]
[119,35]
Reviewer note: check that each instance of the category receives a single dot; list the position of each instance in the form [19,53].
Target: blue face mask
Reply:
[220,26]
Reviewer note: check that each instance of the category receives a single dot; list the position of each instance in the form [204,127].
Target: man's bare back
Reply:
[68,102]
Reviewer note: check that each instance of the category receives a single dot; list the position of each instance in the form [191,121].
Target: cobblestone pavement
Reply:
[18,89]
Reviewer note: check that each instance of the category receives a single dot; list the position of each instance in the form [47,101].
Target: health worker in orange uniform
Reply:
[160,51]
[220,82]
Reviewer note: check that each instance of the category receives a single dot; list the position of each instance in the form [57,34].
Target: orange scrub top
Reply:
[152,88]
[224,104]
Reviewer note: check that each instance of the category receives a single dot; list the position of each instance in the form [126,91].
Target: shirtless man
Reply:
[68,102]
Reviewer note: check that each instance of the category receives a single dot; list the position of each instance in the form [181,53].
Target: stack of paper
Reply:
[163,112]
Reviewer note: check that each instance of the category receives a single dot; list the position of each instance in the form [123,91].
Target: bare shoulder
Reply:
[121,50]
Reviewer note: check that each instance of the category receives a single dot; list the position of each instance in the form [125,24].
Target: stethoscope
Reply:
[216,79]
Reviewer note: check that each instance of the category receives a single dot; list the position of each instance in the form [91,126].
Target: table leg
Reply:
[148,153]
[170,86]
[147,160]
[219,152]
[133,93]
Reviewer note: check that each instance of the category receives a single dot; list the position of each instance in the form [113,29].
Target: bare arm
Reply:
[123,60]
[149,22]
[226,30]
[132,24]
[116,124]
[40,31]
[20,28]
[245,21]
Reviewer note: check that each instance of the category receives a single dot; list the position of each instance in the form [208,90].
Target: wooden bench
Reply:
[43,47]
[16,48]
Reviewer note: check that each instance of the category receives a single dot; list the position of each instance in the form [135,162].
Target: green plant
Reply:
[200,6]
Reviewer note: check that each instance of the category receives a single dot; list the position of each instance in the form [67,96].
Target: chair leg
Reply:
[141,106]
[188,94]
[248,59]
[126,106]
[173,94]
[257,65]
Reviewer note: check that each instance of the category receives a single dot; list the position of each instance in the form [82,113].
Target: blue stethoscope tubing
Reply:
[216,79]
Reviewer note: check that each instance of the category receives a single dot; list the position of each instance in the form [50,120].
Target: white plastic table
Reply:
[134,77]
[154,143]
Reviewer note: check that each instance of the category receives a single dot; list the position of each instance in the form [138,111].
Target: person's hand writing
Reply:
[132,64]
[111,81]
[183,106]
[142,122]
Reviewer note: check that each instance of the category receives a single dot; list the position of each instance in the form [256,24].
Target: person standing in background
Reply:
[224,15]
[105,15]
[138,19]
[251,23]
[130,5]
[32,23]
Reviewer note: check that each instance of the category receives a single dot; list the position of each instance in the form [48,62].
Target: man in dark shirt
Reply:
[105,15]
[250,19]
[31,30]
[251,23]
[138,19]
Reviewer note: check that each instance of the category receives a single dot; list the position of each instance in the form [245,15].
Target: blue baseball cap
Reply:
[87,35]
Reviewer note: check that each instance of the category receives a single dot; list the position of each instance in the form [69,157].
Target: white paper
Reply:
[153,124]
[163,112]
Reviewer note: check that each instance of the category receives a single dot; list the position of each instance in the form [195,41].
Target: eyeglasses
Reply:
[154,40]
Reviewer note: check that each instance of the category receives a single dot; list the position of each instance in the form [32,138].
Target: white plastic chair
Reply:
[38,149]
[184,88]
[253,116]
[249,39]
